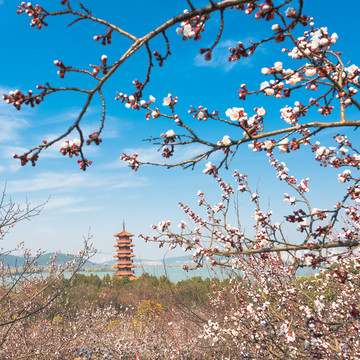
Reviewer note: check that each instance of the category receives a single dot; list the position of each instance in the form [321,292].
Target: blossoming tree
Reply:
[267,313]
[28,289]
[319,71]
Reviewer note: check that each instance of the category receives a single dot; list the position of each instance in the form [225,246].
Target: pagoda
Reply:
[124,254]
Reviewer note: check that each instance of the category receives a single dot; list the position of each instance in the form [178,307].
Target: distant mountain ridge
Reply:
[18,261]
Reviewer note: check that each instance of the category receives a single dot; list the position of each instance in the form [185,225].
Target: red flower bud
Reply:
[208,56]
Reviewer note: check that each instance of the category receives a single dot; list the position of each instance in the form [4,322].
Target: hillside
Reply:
[18,261]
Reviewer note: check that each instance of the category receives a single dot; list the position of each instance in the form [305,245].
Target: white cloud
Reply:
[46,181]
[68,116]
[12,122]
[219,57]
[81,209]
[8,163]
[93,117]
[146,154]
[133,183]
[11,167]
[151,155]
[55,182]
[7,151]
[189,151]
[109,131]
[58,201]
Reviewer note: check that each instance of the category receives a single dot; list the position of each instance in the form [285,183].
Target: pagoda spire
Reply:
[124,255]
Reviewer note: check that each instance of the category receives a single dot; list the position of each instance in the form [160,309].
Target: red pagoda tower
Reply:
[124,254]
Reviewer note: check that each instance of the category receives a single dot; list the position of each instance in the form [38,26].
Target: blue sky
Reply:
[100,198]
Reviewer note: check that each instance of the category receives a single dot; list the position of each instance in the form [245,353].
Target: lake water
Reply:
[176,273]
[173,273]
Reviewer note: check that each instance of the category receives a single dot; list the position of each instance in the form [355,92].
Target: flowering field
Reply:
[266,314]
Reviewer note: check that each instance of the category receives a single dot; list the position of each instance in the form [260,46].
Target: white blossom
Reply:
[208,167]
[251,120]
[278,66]
[187,30]
[294,79]
[261,111]
[265,86]
[77,142]
[310,72]
[324,42]
[290,12]
[283,145]
[226,140]
[201,115]
[268,145]
[234,113]
[167,100]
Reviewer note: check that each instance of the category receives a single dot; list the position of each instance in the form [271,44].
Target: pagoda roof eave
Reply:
[123,233]
[127,266]
[123,245]
[123,255]
[131,276]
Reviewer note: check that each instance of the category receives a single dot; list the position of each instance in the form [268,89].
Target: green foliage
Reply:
[194,289]
[121,292]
